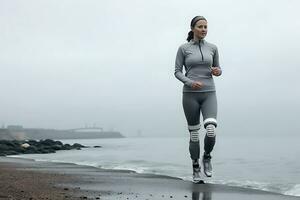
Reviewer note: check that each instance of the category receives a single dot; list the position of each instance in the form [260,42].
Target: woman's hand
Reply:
[197,85]
[216,71]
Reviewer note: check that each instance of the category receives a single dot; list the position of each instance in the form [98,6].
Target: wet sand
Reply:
[28,179]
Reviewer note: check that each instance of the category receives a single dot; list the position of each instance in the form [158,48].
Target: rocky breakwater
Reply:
[15,147]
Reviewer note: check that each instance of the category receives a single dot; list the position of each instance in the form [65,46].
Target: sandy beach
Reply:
[28,179]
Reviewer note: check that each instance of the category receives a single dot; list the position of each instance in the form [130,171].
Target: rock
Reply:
[76,145]
[47,142]
[67,147]
[25,145]
[31,149]
[58,143]
[10,152]
[4,147]
[33,142]
[14,147]
[57,147]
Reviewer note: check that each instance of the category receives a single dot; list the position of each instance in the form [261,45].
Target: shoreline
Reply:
[90,166]
[72,181]
[207,180]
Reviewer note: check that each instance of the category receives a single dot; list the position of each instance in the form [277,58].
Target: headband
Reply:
[197,18]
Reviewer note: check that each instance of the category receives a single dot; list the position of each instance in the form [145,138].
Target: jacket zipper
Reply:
[200,50]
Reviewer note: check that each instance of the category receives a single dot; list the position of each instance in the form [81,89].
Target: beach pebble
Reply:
[25,145]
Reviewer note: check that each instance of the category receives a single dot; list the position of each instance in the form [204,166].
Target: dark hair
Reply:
[193,23]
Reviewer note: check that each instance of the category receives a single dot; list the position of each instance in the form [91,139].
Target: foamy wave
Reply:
[139,167]
[268,187]
[56,161]
[295,191]
[124,167]
[245,184]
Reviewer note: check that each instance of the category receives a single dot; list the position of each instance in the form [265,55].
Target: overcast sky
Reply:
[110,63]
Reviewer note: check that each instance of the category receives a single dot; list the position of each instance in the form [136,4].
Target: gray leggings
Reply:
[206,103]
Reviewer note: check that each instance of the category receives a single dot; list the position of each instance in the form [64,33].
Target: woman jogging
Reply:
[201,61]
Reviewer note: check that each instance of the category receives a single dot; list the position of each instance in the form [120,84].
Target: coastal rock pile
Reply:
[14,147]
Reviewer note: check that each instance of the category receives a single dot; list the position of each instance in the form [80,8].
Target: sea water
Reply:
[269,163]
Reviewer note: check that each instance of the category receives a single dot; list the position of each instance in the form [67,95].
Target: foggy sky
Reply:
[69,63]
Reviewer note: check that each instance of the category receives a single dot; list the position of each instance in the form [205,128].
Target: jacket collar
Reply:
[192,41]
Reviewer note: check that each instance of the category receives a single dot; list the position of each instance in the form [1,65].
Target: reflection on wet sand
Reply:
[201,195]
[201,192]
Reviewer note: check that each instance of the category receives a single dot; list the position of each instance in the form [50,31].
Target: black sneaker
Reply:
[197,177]
[206,162]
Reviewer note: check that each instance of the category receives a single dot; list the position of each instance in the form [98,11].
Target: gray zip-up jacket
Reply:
[197,57]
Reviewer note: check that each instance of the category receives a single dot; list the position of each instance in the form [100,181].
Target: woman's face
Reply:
[200,29]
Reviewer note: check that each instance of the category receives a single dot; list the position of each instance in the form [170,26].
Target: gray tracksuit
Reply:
[198,57]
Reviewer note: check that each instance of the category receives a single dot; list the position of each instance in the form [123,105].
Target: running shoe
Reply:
[207,167]
[197,177]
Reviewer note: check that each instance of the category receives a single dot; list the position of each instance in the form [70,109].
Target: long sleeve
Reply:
[179,62]
[216,59]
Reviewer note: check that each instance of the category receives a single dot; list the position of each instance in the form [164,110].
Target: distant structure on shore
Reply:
[17,132]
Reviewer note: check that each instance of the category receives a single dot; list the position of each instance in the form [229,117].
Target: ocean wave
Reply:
[84,163]
[294,191]
[143,167]
[139,170]
[263,186]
